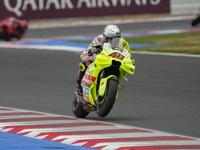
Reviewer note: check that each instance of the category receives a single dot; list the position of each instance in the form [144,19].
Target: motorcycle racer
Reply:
[110,33]
[12,28]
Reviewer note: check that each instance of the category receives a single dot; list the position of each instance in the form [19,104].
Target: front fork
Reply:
[126,80]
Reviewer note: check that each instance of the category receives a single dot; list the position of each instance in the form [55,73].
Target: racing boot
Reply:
[79,87]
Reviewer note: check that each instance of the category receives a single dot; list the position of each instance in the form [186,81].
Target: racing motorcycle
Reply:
[196,20]
[12,28]
[101,81]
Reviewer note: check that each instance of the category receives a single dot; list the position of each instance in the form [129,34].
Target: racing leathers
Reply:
[88,56]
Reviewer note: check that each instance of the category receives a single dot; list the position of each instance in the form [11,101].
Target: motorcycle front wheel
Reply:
[105,103]
[77,108]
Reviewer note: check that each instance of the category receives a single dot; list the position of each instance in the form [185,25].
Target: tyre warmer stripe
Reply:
[62,131]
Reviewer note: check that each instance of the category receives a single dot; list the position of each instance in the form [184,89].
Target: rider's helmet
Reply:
[111,31]
[112,35]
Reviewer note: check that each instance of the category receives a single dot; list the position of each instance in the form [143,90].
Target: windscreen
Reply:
[116,43]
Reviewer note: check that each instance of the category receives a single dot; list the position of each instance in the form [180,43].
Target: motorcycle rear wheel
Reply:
[77,108]
[105,104]
[1,34]
[195,21]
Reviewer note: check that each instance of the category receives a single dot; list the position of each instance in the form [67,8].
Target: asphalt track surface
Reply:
[163,95]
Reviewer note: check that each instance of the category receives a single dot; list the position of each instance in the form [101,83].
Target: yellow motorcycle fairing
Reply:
[106,59]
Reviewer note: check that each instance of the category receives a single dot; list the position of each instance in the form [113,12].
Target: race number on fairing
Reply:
[117,55]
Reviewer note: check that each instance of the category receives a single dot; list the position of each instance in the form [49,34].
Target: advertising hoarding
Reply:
[41,9]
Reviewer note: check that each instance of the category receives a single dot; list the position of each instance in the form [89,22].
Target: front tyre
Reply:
[77,108]
[105,103]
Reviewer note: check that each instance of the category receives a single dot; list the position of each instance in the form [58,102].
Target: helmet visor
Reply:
[115,43]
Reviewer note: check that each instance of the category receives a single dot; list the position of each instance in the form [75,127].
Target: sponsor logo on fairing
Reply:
[85,93]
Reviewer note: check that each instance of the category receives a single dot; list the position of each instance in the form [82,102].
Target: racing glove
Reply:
[92,50]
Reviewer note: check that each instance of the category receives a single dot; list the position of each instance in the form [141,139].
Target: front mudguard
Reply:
[103,84]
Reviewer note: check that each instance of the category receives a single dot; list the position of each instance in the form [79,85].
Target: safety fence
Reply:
[184,6]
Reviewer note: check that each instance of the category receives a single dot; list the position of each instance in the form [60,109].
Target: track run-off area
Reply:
[87,133]
[157,111]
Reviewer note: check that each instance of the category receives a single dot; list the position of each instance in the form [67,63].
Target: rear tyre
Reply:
[105,103]
[77,108]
